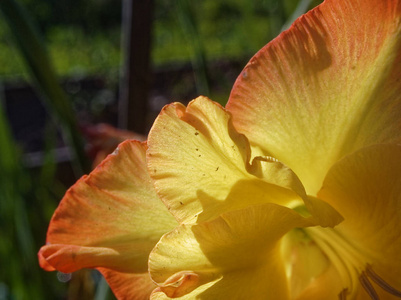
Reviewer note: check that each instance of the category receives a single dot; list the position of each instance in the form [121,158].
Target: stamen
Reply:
[345,259]
[380,282]
[343,294]
[363,279]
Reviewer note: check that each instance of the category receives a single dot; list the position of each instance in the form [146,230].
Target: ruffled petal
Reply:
[238,253]
[111,218]
[158,294]
[197,149]
[366,188]
[326,87]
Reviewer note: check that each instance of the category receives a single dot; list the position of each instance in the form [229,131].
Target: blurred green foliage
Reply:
[229,29]
[27,201]
[84,38]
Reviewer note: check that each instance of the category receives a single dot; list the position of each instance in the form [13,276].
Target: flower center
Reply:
[351,264]
[348,261]
[311,251]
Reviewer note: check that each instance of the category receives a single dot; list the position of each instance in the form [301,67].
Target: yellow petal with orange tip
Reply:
[109,219]
[324,88]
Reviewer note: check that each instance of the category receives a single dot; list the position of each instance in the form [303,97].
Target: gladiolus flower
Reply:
[293,191]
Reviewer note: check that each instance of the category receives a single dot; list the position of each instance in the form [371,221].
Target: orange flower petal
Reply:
[128,286]
[70,258]
[111,218]
[326,87]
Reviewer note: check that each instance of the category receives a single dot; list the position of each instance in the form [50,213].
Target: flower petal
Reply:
[158,294]
[239,250]
[197,149]
[111,218]
[326,87]
[125,285]
[366,188]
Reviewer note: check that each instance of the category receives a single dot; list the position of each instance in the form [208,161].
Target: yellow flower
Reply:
[291,192]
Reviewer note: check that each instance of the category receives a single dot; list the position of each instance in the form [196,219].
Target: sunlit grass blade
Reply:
[189,26]
[302,7]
